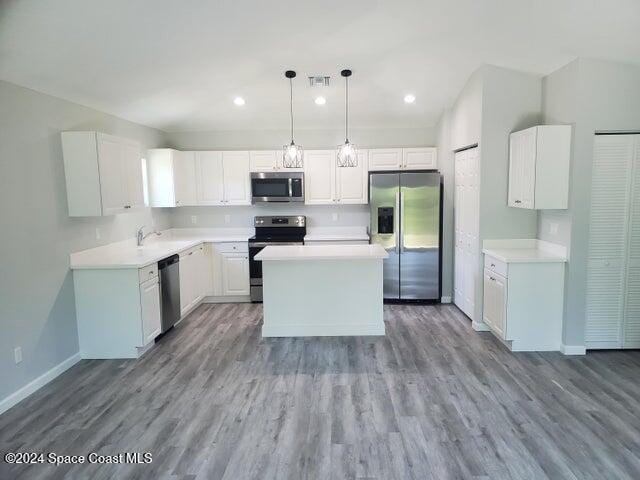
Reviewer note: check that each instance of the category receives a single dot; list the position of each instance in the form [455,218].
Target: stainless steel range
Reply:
[288,230]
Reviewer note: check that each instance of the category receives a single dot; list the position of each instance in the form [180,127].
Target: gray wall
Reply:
[446,167]
[493,103]
[592,95]
[37,310]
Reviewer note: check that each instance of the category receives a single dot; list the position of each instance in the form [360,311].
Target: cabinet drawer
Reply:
[148,272]
[189,251]
[495,265]
[232,247]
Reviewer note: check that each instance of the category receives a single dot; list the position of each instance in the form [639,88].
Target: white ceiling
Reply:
[177,65]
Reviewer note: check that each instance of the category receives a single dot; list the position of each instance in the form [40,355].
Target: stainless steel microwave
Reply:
[277,187]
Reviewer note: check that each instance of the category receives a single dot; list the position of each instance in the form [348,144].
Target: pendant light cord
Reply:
[291,106]
[346,111]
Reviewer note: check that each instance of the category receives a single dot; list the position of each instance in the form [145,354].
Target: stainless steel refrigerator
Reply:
[406,219]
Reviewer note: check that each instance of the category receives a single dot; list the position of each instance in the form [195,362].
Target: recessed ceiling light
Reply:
[320,100]
[409,98]
[239,101]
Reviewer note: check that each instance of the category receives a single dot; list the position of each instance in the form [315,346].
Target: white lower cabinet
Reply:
[193,263]
[150,306]
[118,311]
[235,274]
[495,302]
[523,303]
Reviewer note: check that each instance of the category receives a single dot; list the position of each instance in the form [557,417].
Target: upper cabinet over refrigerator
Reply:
[539,167]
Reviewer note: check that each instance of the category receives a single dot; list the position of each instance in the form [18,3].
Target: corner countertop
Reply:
[126,254]
[327,234]
[321,252]
[525,251]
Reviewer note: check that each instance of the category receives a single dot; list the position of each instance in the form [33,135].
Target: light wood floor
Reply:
[431,400]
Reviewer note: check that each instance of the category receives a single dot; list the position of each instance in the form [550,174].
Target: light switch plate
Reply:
[194,219]
[334,217]
[553,228]
[227,218]
[98,236]
[17,354]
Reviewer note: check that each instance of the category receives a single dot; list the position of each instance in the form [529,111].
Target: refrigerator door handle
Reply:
[397,222]
[401,222]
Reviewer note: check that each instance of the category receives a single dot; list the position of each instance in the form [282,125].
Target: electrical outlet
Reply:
[227,218]
[553,228]
[334,217]
[194,219]
[17,354]
[98,235]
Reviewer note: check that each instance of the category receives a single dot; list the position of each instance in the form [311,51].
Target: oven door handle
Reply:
[266,244]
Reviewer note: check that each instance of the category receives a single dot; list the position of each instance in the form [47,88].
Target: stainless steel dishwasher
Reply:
[169,269]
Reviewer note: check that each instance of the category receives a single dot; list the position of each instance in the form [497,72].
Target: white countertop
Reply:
[321,252]
[525,251]
[319,234]
[127,254]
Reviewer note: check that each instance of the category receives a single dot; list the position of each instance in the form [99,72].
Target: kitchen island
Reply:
[318,290]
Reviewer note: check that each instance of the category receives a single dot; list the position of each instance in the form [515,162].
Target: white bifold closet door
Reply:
[466,226]
[613,270]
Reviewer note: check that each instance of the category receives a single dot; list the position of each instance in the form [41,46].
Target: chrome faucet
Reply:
[140,235]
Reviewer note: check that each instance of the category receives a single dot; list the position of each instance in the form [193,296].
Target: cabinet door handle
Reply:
[492,278]
[517,201]
[190,253]
[493,264]
[127,206]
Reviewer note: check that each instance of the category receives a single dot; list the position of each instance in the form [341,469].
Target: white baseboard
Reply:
[16,397]
[445,300]
[480,326]
[573,349]
[229,299]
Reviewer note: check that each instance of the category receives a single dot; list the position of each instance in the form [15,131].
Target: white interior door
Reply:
[631,320]
[237,180]
[320,177]
[466,222]
[608,240]
[209,178]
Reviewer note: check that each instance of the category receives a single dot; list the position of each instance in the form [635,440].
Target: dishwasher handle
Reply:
[165,262]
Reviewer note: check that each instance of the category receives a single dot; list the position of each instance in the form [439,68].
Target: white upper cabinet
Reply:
[209,186]
[171,178]
[325,183]
[420,158]
[236,178]
[352,182]
[184,178]
[263,161]
[539,160]
[423,158]
[385,159]
[103,174]
[269,161]
[319,177]
[223,178]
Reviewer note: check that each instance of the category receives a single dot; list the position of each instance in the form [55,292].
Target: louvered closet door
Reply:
[631,321]
[458,260]
[610,202]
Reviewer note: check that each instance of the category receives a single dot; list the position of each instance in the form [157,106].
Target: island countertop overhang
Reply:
[321,252]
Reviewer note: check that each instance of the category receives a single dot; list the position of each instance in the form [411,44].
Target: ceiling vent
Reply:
[319,81]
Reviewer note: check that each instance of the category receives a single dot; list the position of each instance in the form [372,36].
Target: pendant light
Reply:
[292,154]
[347,155]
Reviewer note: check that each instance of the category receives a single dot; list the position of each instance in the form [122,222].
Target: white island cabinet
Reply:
[322,290]
[523,293]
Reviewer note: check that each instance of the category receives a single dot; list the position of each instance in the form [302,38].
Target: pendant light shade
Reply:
[346,155]
[292,154]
